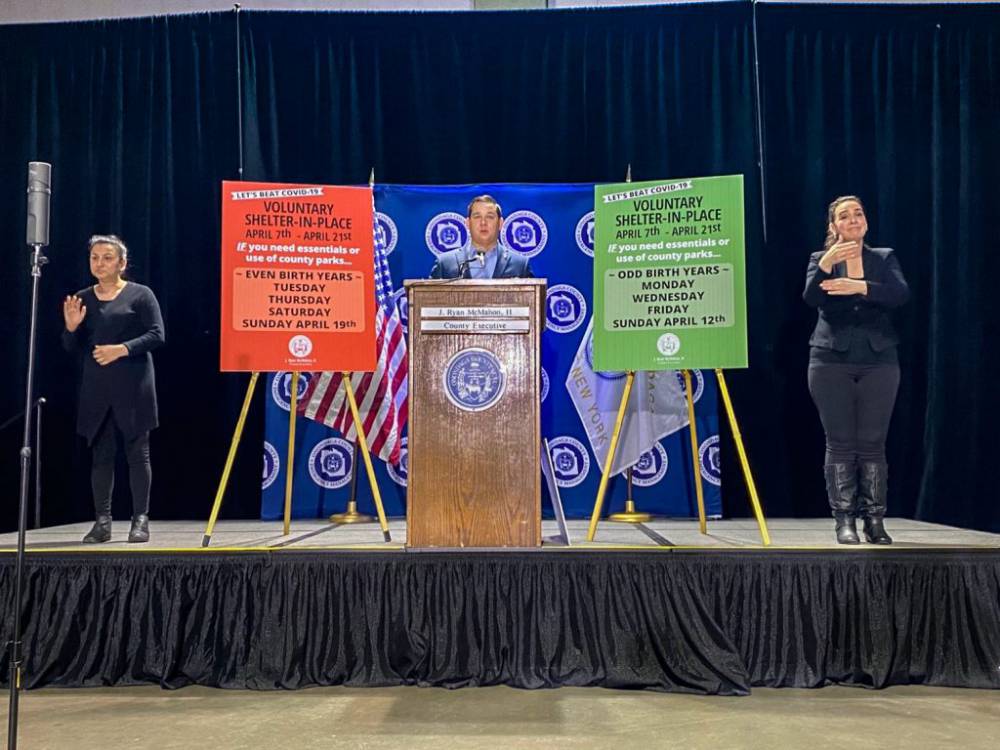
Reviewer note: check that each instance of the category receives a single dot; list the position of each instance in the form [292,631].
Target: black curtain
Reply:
[676,621]
[567,96]
[139,120]
[899,105]
[895,103]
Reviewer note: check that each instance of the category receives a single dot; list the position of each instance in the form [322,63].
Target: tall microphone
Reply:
[482,258]
[39,191]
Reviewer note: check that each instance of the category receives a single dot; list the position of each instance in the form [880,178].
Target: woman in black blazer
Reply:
[853,366]
[114,325]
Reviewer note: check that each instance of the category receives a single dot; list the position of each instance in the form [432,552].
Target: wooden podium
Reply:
[473,476]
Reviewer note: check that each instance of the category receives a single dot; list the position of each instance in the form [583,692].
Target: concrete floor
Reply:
[844,718]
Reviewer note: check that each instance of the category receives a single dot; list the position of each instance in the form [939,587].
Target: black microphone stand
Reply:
[37,261]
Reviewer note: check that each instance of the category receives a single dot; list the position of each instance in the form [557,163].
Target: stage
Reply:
[658,534]
[654,606]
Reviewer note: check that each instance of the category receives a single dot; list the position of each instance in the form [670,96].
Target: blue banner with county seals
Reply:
[553,225]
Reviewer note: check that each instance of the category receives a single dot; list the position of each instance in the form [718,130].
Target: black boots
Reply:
[842,492]
[140,528]
[847,530]
[872,492]
[858,492]
[101,531]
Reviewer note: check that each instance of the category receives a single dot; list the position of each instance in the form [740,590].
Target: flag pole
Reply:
[233,445]
[599,502]
[630,514]
[695,458]
[351,515]
[360,429]
[744,462]
[290,460]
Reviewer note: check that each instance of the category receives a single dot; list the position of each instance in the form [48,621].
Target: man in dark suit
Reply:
[485,257]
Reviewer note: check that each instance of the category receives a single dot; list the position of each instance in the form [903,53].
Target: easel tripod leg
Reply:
[616,433]
[224,481]
[363,442]
[695,458]
[290,459]
[744,462]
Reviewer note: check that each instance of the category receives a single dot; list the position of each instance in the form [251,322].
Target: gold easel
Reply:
[289,463]
[699,490]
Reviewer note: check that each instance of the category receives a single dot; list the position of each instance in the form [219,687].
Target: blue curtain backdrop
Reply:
[561,251]
[896,103]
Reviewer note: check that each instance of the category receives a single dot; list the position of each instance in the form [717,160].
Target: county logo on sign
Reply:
[281,388]
[585,234]
[545,385]
[651,466]
[711,465]
[668,344]
[446,232]
[697,384]
[570,461]
[272,464]
[589,353]
[402,305]
[565,308]
[300,346]
[474,379]
[385,230]
[330,463]
[525,232]
[400,471]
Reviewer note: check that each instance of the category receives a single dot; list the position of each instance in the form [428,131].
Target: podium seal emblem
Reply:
[474,379]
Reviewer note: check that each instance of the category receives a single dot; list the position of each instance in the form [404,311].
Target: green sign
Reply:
[669,277]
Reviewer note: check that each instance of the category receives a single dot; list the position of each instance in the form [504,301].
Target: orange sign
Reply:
[298,287]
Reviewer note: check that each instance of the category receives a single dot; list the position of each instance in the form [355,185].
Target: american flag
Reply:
[381,395]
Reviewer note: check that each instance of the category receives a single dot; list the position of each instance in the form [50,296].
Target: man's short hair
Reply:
[483,199]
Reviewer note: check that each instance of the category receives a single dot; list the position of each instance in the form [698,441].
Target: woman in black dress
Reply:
[114,325]
[853,365]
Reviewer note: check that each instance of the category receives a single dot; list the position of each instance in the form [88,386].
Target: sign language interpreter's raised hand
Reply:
[843,251]
[74,311]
